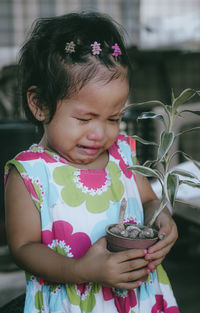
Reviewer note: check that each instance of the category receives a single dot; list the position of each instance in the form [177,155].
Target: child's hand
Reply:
[118,269]
[168,235]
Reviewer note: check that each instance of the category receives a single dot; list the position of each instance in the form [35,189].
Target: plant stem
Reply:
[157,212]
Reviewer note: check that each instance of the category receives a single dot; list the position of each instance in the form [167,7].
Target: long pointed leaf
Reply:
[184,173]
[152,115]
[143,141]
[190,183]
[150,163]
[183,97]
[150,104]
[189,158]
[144,171]
[172,96]
[191,111]
[171,187]
[188,130]
[166,141]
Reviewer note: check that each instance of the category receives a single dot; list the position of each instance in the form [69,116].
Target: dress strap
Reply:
[132,143]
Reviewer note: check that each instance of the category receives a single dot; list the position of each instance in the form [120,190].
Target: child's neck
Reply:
[99,164]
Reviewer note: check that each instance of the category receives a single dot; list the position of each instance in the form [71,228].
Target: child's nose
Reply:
[97,132]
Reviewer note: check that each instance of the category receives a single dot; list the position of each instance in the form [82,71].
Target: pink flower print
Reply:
[96,48]
[117,50]
[161,306]
[37,152]
[130,220]
[124,299]
[29,185]
[116,152]
[90,185]
[34,155]
[62,240]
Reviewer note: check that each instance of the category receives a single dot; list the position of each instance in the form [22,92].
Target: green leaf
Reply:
[196,164]
[188,130]
[190,183]
[172,96]
[171,187]
[191,111]
[143,141]
[189,158]
[183,97]
[184,173]
[166,140]
[150,104]
[150,163]
[144,171]
[152,115]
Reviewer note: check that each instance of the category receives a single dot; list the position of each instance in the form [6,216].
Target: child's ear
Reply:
[33,104]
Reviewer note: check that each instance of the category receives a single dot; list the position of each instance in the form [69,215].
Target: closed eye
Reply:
[114,120]
[83,119]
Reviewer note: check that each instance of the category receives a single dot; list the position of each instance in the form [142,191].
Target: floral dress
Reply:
[75,206]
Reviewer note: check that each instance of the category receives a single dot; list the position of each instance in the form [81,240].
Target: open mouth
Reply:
[90,150]
[86,147]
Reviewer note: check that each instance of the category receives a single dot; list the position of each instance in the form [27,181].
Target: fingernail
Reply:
[162,236]
[139,283]
[145,251]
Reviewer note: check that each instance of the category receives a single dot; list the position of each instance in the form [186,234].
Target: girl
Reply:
[63,192]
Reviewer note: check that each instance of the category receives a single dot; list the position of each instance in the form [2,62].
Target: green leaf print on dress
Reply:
[83,295]
[39,301]
[162,276]
[95,187]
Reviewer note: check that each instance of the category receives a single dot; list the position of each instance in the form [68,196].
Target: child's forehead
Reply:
[97,73]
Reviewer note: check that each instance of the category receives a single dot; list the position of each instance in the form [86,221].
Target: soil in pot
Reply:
[130,236]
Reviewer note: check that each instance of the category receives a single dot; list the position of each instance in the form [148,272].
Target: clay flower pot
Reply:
[118,243]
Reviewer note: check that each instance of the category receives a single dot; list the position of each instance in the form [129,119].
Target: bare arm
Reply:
[120,270]
[24,235]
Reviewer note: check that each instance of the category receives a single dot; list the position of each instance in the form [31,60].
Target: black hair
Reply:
[52,74]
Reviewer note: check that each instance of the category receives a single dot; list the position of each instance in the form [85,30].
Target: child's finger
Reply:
[126,267]
[134,276]
[154,264]
[158,254]
[129,285]
[123,256]
[162,243]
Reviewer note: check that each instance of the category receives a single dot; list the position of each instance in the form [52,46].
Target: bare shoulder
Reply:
[22,217]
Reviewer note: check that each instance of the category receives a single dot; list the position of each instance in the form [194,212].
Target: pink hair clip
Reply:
[117,50]
[70,47]
[96,48]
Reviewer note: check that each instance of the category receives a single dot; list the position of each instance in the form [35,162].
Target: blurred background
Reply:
[163,41]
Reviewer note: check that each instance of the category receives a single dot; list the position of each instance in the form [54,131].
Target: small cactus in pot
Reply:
[159,168]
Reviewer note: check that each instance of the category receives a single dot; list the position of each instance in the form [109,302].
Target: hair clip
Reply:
[70,47]
[96,48]
[117,50]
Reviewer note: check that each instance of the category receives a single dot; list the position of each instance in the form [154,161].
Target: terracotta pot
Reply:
[118,243]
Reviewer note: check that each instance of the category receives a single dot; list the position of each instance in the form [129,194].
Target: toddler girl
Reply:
[63,192]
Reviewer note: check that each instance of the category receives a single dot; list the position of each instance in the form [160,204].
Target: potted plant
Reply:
[125,236]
